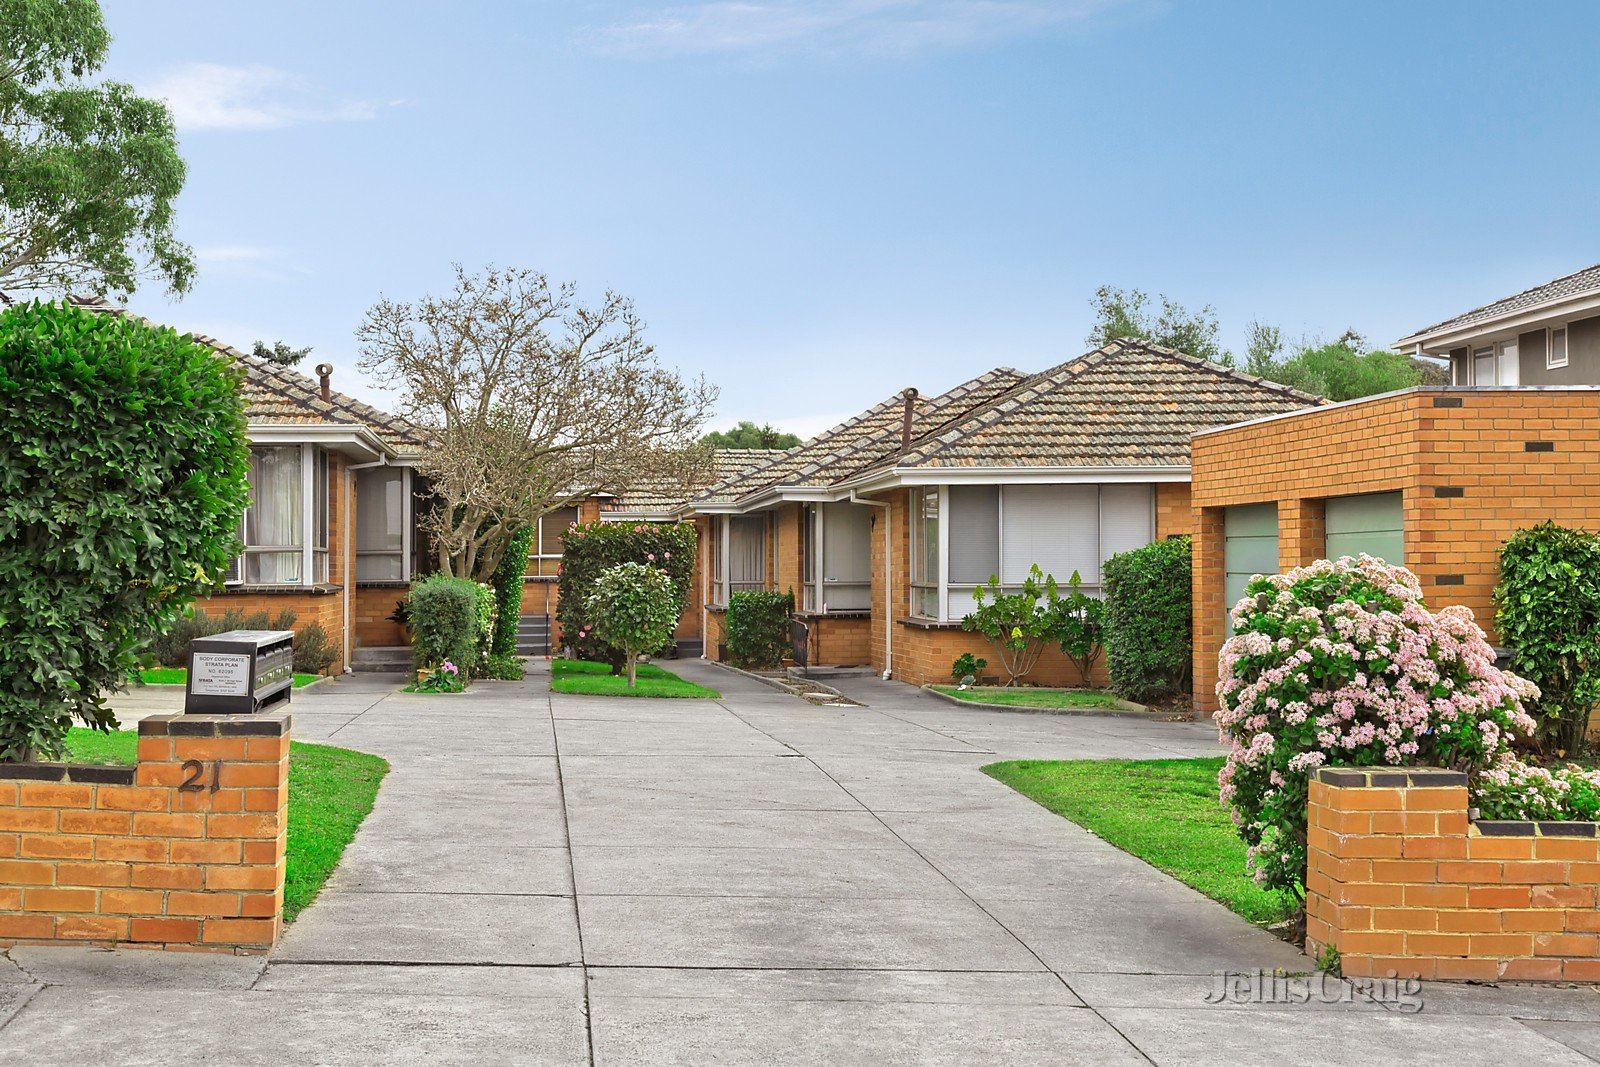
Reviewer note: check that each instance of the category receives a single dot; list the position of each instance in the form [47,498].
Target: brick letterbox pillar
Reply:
[184,850]
[1400,880]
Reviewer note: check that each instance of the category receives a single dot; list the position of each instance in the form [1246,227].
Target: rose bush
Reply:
[1340,663]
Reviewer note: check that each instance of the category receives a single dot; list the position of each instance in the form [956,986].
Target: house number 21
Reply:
[195,775]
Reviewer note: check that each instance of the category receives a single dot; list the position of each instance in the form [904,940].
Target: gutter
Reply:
[888,581]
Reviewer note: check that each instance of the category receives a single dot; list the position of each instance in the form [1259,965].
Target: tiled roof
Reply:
[663,494]
[1127,404]
[1579,283]
[858,442]
[278,394]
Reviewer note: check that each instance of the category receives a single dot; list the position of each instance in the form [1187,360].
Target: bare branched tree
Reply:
[536,401]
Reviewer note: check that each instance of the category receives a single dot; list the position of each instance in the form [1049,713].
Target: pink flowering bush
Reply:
[1340,663]
[1512,789]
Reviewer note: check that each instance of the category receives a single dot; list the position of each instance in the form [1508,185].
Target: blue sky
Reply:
[818,203]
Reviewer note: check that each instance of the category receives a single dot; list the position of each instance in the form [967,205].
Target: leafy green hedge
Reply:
[1548,613]
[591,548]
[508,592]
[1148,620]
[758,627]
[447,621]
[123,461]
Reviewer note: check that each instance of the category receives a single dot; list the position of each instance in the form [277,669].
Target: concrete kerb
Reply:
[782,686]
[1124,709]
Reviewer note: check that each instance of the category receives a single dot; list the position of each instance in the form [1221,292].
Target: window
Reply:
[738,555]
[383,520]
[925,580]
[286,523]
[1005,530]
[810,519]
[747,553]
[552,528]
[1495,364]
[1555,349]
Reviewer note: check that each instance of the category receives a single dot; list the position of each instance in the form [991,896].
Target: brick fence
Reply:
[184,850]
[1400,879]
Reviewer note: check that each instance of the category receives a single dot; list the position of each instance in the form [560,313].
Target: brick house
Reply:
[1435,478]
[883,525]
[648,500]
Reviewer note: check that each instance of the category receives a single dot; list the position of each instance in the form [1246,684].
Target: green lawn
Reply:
[180,675]
[596,679]
[330,791]
[1032,698]
[1163,811]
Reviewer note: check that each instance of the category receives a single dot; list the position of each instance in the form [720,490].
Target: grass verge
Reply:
[1163,811]
[1032,698]
[330,791]
[596,679]
[180,675]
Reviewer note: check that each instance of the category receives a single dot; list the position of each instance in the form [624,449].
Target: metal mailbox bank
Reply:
[239,672]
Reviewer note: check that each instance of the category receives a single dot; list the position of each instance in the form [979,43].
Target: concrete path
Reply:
[753,880]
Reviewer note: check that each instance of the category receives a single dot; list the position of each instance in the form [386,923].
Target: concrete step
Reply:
[384,659]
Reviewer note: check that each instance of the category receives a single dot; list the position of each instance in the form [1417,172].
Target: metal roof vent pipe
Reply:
[910,397]
[324,372]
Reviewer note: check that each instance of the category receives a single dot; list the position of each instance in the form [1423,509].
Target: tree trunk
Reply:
[632,673]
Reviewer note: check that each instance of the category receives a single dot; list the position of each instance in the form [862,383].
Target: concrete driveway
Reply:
[752,880]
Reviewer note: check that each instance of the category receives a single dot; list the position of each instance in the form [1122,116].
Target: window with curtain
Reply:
[552,528]
[747,553]
[719,580]
[274,524]
[381,516]
[319,513]
[925,552]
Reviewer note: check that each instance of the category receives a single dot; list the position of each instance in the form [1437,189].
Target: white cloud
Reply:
[234,253]
[874,27]
[210,96]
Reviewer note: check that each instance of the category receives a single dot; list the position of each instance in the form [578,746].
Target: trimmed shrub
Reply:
[1548,614]
[1019,624]
[758,627]
[123,462]
[589,549]
[508,594]
[1148,624]
[314,652]
[635,608]
[444,621]
[505,668]
[1341,664]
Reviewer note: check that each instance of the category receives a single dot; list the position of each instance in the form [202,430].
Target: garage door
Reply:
[1250,547]
[1370,523]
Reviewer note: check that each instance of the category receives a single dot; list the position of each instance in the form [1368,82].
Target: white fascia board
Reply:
[906,476]
[783,494]
[1435,342]
[357,442]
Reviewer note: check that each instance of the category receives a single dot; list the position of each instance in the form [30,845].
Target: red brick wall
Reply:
[1399,880]
[1459,457]
[129,856]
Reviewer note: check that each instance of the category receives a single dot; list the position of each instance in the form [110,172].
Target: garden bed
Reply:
[595,679]
[1081,701]
[331,790]
[1165,812]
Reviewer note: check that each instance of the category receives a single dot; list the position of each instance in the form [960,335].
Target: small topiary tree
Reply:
[445,621]
[1019,624]
[1078,620]
[1548,613]
[1148,620]
[758,628]
[1341,664]
[123,465]
[635,608]
[588,549]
